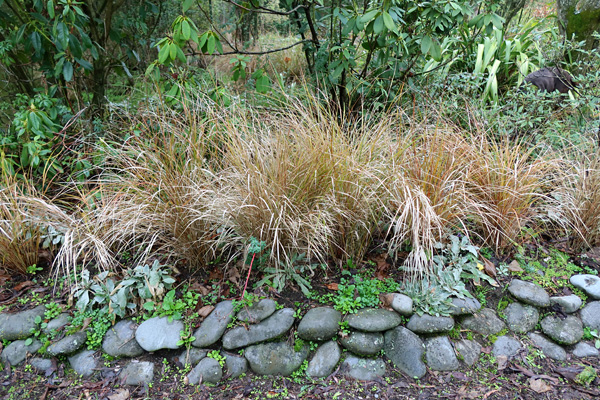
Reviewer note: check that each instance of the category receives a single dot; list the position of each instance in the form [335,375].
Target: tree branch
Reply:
[258,53]
[264,10]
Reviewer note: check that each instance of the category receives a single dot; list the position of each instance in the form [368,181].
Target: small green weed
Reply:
[216,355]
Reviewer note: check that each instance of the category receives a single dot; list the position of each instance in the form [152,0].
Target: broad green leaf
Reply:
[425,44]
[186,30]
[173,51]
[163,54]
[180,55]
[50,7]
[36,42]
[68,71]
[389,22]
[369,16]
[378,25]
[202,40]
[436,51]
[210,45]
[187,4]
[263,84]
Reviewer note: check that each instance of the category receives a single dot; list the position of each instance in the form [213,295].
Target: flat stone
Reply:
[208,370]
[405,349]
[158,333]
[19,325]
[567,331]
[138,373]
[213,326]
[521,318]
[236,365]
[324,360]
[119,340]
[363,369]
[583,349]
[257,311]
[506,346]
[84,363]
[529,293]
[272,327]
[321,323]
[57,323]
[464,306]
[16,352]
[402,304]
[430,324]
[568,304]
[590,315]
[275,358]
[485,322]
[550,349]
[440,355]
[469,350]
[68,344]
[590,284]
[373,320]
[192,356]
[363,343]
[41,365]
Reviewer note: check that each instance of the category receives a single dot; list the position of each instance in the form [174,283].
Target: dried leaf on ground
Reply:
[332,286]
[205,311]
[22,286]
[386,299]
[382,266]
[539,386]
[502,361]
[196,286]
[514,266]
[120,394]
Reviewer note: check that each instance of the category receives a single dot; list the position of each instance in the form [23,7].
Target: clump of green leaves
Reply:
[216,355]
[586,376]
[357,293]
[592,334]
[293,270]
[461,256]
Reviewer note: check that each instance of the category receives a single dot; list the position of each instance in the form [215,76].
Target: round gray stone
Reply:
[138,373]
[506,346]
[583,349]
[521,318]
[363,369]
[275,358]
[321,323]
[549,348]
[41,365]
[402,304]
[405,349]
[568,304]
[192,356]
[208,370]
[430,324]
[440,355]
[236,365]
[363,343]
[57,323]
[324,361]
[68,344]
[213,326]
[469,350]
[257,311]
[373,320]
[19,325]
[590,315]
[590,284]
[158,333]
[272,327]
[567,331]
[529,293]
[464,306]
[16,352]
[84,363]
[485,322]
[119,340]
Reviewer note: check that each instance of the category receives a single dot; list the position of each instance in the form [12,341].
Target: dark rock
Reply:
[567,331]
[568,304]
[192,356]
[19,325]
[464,306]
[469,350]
[402,304]
[272,327]
[324,361]
[321,323]
[529,293]
[373,320]
[549,348]
[138,373]
[158,333]
[208,370]
[363,343]
[257,312]
[84,363]
[68,344]
[405,349]
[506,346]
[57,323]
[590,315]
[440,354]
[590,284]
[236,365]
[583,349]
[41,365]
[213,326]
[16,352]
[485,322]
[363,369]
[521,318]
[119,340]
[275,358]
[430,324]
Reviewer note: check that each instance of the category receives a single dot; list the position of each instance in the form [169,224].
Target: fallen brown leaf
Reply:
[121,394]
[502,361]
[539,386]
[22,286]
[514,266]
[205,311]
[386,299]
[196,286]
[332,286]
